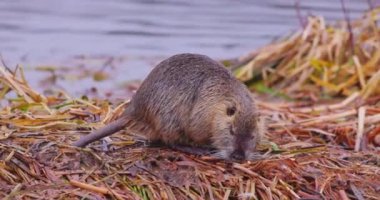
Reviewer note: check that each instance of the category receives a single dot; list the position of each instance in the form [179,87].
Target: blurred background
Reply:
[132,35]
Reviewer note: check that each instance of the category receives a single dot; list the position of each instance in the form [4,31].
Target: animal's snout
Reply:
[238,155]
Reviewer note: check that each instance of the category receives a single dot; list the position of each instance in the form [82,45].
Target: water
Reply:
[52,31]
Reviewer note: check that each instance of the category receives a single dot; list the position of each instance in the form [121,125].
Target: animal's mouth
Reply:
[238,155]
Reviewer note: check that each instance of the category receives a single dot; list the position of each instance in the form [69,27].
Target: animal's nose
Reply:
[238,155]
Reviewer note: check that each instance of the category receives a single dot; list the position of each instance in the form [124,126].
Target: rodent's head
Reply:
[235,126]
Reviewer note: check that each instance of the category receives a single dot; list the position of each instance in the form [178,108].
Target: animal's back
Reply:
[166,97]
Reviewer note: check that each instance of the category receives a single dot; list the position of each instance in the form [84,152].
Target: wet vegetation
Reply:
[317,89]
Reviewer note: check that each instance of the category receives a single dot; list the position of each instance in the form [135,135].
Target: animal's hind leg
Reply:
[155,143]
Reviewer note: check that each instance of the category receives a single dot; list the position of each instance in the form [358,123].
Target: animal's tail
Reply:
[109,129]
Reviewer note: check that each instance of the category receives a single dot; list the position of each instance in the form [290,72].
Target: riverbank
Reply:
[317,90]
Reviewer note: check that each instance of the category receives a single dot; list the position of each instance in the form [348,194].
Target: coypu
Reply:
[190,99]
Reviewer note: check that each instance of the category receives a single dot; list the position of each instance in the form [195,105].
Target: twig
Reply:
[359,69]
[343,104]
[348,21]
[14,192]
[372,119]
[93,188]
[5,65]
[370,4]
[311,121]
[359,134]
[8,76]
[299,16]
[343,195]
[250,172]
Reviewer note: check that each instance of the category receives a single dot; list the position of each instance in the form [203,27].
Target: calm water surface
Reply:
[54,31]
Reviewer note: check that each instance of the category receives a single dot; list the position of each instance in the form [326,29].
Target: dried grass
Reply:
[309,149]
[319,61]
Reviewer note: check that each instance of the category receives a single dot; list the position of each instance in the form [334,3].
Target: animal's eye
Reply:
[231,111]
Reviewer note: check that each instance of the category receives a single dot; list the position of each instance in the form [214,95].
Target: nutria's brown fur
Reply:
[191,99]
